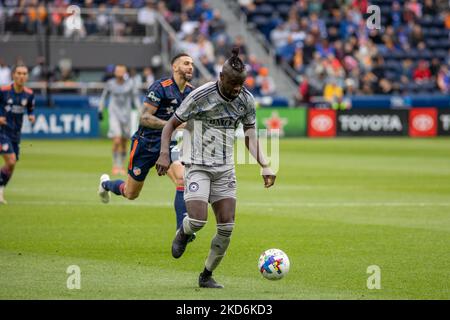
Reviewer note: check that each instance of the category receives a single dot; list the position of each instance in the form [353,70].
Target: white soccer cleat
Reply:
[2,199]
[104,195]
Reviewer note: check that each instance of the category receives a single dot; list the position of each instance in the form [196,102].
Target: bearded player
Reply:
[163,98]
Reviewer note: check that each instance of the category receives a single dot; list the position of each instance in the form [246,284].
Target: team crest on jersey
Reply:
[24,102]
[193,187]
[10,101]
[137,171]
[241,107]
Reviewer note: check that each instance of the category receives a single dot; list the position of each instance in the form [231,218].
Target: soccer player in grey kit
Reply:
[122,94]
[212,112]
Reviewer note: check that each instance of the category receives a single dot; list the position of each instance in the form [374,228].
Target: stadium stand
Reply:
[325,42]
[325,46]
[199,29]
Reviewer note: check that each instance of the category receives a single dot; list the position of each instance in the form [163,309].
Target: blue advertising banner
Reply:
[62,123]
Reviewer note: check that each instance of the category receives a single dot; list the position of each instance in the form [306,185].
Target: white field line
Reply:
[240,204]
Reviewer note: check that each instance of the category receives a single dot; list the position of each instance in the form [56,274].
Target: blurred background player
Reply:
[163,97]
[219,106]
[15,99]
[122,93]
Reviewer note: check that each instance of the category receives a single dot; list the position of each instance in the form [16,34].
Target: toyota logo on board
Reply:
[423,122]
[322,122]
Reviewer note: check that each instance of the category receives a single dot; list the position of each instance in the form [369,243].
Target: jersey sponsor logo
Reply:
[174,101]
[15,109]
[423,122]
[151,96]
[137,171]
[193,186]
[377,123]
[223,122]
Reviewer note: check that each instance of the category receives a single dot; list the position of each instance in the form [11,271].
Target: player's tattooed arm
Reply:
[148,118]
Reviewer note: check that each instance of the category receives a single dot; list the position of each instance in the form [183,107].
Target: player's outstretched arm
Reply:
[163,163]
[148,118]
[254,147]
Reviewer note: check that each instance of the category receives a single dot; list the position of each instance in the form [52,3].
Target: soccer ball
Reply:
[273,264]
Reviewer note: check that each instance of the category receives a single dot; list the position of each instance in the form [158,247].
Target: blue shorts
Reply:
[143,155]
[7,146]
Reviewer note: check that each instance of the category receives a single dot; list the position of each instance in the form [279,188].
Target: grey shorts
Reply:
[209,184]
[118,128]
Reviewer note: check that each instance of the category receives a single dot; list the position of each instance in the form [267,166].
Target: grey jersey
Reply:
[211,123]
[122,96]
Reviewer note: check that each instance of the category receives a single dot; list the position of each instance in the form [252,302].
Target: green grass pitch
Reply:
[339,206]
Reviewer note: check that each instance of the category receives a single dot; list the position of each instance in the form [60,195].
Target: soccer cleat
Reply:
[208,282]
[179,243]
[104,195]
[192,237]
[2,199]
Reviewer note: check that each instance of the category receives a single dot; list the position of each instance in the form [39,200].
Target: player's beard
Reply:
[186,76]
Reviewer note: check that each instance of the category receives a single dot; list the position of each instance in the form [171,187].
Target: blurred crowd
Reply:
[326,44]
[333,53]
[90,17]
[203,34]
[201,30]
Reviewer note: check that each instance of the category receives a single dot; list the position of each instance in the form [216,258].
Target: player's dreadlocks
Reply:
[235,62]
